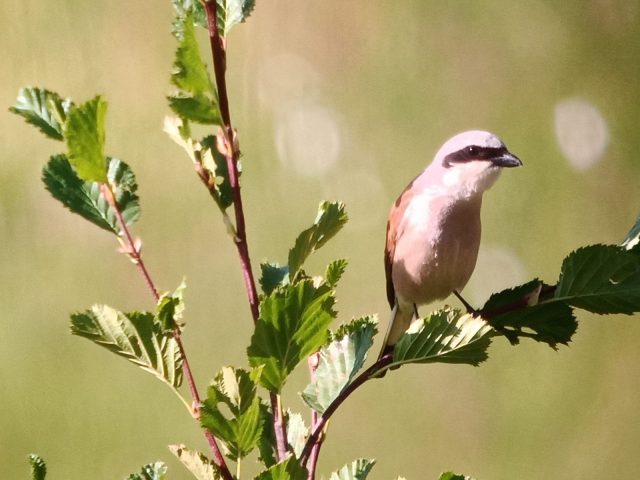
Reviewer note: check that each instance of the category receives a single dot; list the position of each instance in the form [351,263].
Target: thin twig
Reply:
[315,449]
[134,253]
[231,152]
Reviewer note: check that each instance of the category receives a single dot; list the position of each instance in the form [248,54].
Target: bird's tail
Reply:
[398,324]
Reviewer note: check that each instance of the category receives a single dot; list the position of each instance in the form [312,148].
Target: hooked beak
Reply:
[507,160]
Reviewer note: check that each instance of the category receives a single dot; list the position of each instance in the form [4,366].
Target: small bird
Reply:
[433,232]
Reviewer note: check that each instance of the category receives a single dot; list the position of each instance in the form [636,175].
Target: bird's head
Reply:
[469,163]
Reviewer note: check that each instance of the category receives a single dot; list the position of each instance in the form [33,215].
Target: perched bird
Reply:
[433,232]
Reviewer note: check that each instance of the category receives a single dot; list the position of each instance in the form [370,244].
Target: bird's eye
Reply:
[472,150]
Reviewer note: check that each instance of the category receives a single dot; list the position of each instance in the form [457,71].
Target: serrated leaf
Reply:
[151,471]
[236,390]
[290,469]
[232,12]
[335,270]
[135,336]
[601,279]
[446,336]
[453,476]
[339,361]
[517,297]
[38,467]
[181,8]
[170,309]
[550,323]
[197,108]
[85,198]
[267,442]
[293,323]
[197,463]
[330,219]
[84,134]
[273,276]
[189,72]
[197,99]
[356,470]
[44,109]
[297,433]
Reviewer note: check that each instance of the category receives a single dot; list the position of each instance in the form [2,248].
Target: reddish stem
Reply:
[134,253]
[232,154]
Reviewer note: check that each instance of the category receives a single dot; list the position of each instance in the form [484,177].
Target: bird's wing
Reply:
[394,230]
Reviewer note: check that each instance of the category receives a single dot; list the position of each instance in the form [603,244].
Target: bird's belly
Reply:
[436,260]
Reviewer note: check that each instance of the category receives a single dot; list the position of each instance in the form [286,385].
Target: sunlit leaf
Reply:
[330,219]
[335,270]
[356,470]
[85,198]
[170,309]
[339,362]
[447,336]
[182,7]
[197,463]
[44,109]
[601,279]
[293,323]
[136,336]
[633,237]
[38,467]
[197,108]
[152,471]
[84,134]
[297,433]
[236,391]
[290,469]
[273,276]
[232,12]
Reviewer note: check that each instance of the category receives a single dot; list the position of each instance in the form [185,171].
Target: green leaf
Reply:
[232,12]
[550,323]
[446,336]
[513,298]
[273,276]
[197,463]
[198,108]
[189,72]
[335,270]
[330,219]
[297,433]
[453,476]
[356,470]
[38,467]
[235,390]
[84,133]
[170,309]
[182,7]
[85,198]
[197,99]
[216,164]
[339,362]
[601,279]
[44,109]
[290,469]
[138,337]
[293,323]
[151,471]
[267,442]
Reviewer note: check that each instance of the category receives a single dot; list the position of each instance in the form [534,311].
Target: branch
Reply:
[134,253]
[368,374]
[232,153]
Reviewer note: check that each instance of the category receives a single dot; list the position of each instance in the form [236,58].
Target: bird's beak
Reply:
[507,160]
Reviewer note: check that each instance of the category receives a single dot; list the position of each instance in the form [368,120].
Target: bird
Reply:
[433,231]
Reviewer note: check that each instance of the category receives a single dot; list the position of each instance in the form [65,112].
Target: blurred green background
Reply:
[343,101]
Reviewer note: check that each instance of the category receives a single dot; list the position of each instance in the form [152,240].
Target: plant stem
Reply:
[318,429]
[134,254]
[232,154]
[315,449]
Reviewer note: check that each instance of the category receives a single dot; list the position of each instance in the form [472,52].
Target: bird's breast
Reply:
[436,247]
